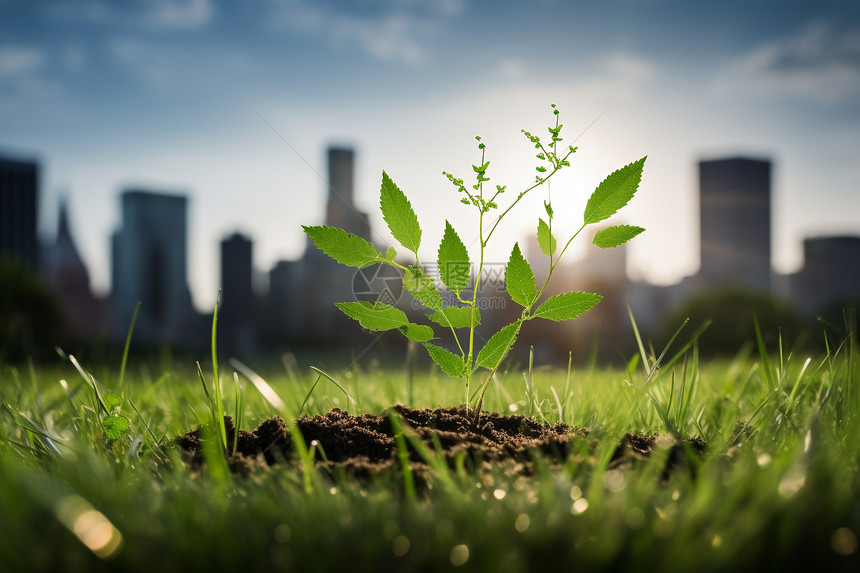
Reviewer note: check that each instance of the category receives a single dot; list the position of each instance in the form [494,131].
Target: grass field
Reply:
[777,489]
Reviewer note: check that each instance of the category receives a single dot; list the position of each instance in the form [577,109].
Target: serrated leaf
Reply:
[450,363]
[115,427]
[416,332]
[616,235]
[378,316]
[520,279]
[498,346]
[390,254]
[614,192]
[398,214]
[453,260]
[546,241]
[422,288]
[457,316]
[567,306]
[346,248]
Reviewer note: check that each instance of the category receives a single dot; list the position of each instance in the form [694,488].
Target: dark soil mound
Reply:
[364,445]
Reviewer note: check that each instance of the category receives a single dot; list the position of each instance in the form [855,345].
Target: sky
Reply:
[235,103]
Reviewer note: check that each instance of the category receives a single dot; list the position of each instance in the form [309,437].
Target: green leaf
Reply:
[422,288]
[346,248]
[567,306]
[115,427]
[391,254]
[378,316]
[457,316]
[616,235]
[520,279]
[112,400]
[614,192]
[498,346]
[398,214]
[417,332]
[546,241]
[453,260]
[450,363]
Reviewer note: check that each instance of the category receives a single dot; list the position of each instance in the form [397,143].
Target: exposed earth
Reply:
[365,445]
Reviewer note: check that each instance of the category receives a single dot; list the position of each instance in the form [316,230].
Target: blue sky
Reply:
[199,96]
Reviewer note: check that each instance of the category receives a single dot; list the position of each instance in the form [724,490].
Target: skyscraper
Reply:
[735,200]
[66,274]
[238,311]
[341,210]
[19,200]
[830,276]
[149,264]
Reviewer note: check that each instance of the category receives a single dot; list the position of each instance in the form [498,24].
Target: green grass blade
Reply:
[127,346]
[219,405]
[261,385]
[336,383]
[402,454]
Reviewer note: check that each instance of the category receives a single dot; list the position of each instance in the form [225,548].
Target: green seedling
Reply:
[455,264]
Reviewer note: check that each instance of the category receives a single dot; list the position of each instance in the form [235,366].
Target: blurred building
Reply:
[735,217]
[19,208]
[67,276]
[302,293]
[237,312]
[149,264]
[341,211]
[830,277]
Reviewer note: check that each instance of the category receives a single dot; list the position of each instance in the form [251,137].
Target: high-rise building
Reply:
[19,201]
[735,212]
[319,279]
[149,264]
[67,276]
[341,210]
[830,277]
[237,312]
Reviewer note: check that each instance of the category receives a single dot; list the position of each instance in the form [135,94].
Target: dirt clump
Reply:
[364,445]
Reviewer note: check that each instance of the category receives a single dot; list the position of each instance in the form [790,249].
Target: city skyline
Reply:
[236,106]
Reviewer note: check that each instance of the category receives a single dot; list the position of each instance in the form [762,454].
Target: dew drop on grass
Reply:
[500,494]
[523,522]
[843,541]
[763,460]
[579,506]
[459,555]
[513,407]
[283,533]
[400,545]
[635,518]
[614,481]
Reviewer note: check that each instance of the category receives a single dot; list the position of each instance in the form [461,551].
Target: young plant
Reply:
[455,265]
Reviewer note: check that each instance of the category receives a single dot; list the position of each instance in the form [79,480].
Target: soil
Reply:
[365,445]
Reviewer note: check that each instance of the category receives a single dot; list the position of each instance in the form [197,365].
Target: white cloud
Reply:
[22,82]
[819,63]
[179,13]
[151,14]
[17,61]
[512,69]
[394,31]
[143,62]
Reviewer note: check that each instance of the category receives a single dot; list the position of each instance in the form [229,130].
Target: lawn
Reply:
[776,487]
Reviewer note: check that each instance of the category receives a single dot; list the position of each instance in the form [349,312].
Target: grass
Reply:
[778,488]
